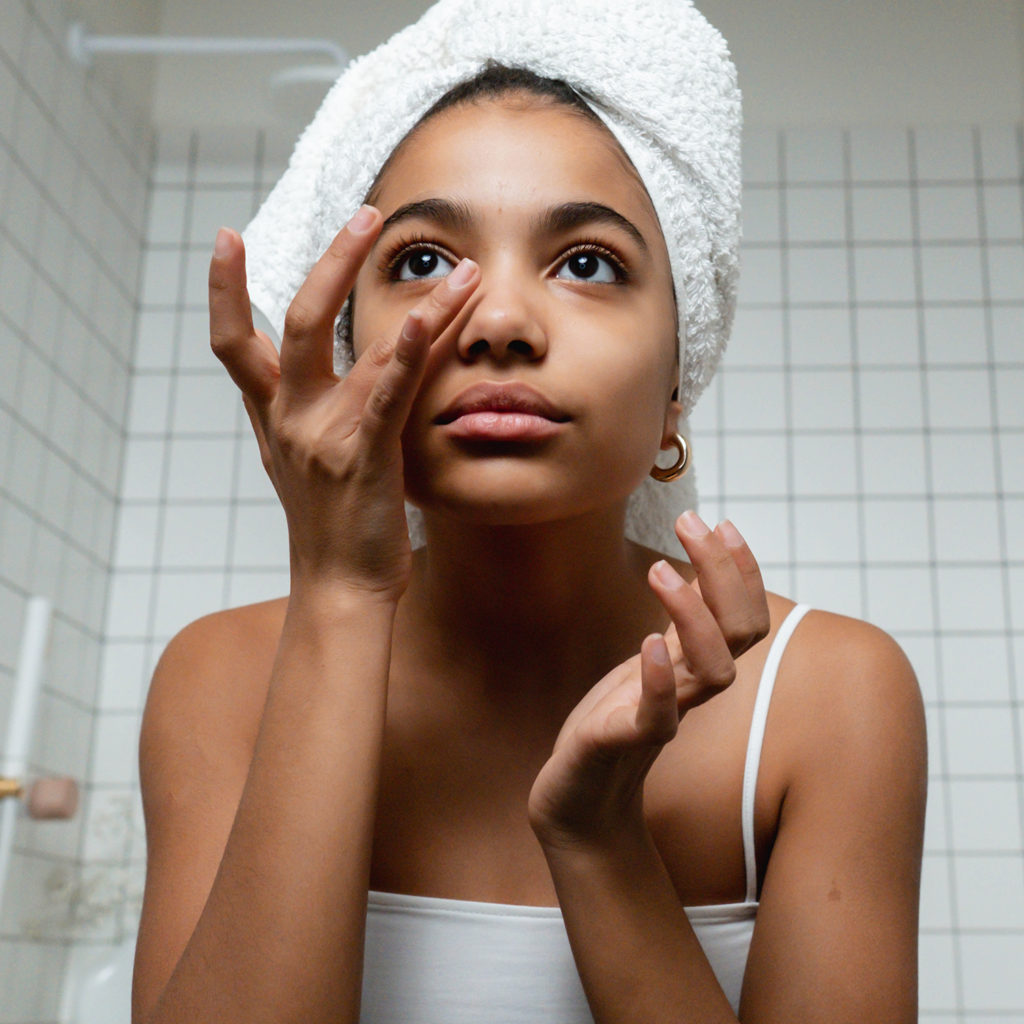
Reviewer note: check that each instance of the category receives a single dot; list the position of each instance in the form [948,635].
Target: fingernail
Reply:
[222,246]
[659,650]
[461,275]
[413,326]
[730,535]
[692,525]
[364,219]
[667,576]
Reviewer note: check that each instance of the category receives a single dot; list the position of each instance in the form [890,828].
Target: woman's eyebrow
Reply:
[458,216]
[567,216]
[448,213]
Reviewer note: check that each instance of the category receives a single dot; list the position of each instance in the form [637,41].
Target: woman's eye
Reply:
[420,264]
[589,266]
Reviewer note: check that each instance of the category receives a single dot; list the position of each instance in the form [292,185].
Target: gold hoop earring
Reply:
[679,467]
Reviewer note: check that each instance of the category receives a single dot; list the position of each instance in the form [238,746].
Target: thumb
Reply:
[657,714]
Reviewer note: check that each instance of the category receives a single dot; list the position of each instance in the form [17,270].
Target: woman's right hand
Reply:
[331,446]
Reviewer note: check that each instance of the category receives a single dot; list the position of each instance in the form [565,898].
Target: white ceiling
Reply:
[800,61]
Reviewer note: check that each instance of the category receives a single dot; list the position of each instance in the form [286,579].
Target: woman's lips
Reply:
[493,425]
[501,412]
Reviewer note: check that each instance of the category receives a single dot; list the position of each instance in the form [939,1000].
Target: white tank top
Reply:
[439,961]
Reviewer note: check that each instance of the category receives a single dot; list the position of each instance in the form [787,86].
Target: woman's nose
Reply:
[503,323]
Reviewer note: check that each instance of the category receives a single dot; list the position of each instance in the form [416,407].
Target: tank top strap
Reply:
[757,724]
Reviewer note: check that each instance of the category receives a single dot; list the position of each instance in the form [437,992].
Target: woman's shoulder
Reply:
[210,684]
[828,650]
[225,648]
[251,622]
[845,688]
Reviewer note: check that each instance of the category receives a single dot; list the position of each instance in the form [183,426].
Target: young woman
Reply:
[520,767]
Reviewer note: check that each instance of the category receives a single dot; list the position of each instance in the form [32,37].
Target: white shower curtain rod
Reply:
[83,47]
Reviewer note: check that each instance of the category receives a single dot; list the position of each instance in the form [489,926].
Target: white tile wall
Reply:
[814,155]
[816,336]
[74,172]
[880,214]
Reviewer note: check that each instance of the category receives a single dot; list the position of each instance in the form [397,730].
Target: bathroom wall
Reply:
[866,434]
[74,175]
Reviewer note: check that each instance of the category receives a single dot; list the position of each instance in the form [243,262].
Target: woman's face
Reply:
[551,393]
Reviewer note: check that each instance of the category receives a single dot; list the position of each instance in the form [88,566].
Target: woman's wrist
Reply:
[339,592]
[609,843]
[373,570]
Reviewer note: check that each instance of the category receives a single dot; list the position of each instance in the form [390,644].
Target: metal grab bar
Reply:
[27,684]
[82,46]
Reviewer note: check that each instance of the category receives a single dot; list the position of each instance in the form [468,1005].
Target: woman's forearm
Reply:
[281,936]
[636,953]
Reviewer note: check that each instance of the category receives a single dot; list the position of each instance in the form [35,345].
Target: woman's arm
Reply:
[284,869]
[835,938]
[636,953]
[638,957]
[836,935]
[257,873]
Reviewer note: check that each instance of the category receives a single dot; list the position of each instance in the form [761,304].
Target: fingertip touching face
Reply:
[552,392]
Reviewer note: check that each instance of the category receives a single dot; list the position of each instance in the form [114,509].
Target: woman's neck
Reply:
[549,607]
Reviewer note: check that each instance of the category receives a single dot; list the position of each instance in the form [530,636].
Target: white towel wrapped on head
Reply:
[657,74]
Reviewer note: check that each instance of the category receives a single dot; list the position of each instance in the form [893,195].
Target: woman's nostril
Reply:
[516,347]
[521,348]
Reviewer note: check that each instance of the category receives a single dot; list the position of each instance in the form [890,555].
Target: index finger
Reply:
[307,347]
[387,374]
[248,355]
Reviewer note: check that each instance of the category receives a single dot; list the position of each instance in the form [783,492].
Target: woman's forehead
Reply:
[513,153]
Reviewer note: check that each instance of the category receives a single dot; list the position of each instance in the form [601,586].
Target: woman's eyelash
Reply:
[595,248]
[403,248]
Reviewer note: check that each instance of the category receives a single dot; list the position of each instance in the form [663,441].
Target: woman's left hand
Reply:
[591,788]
